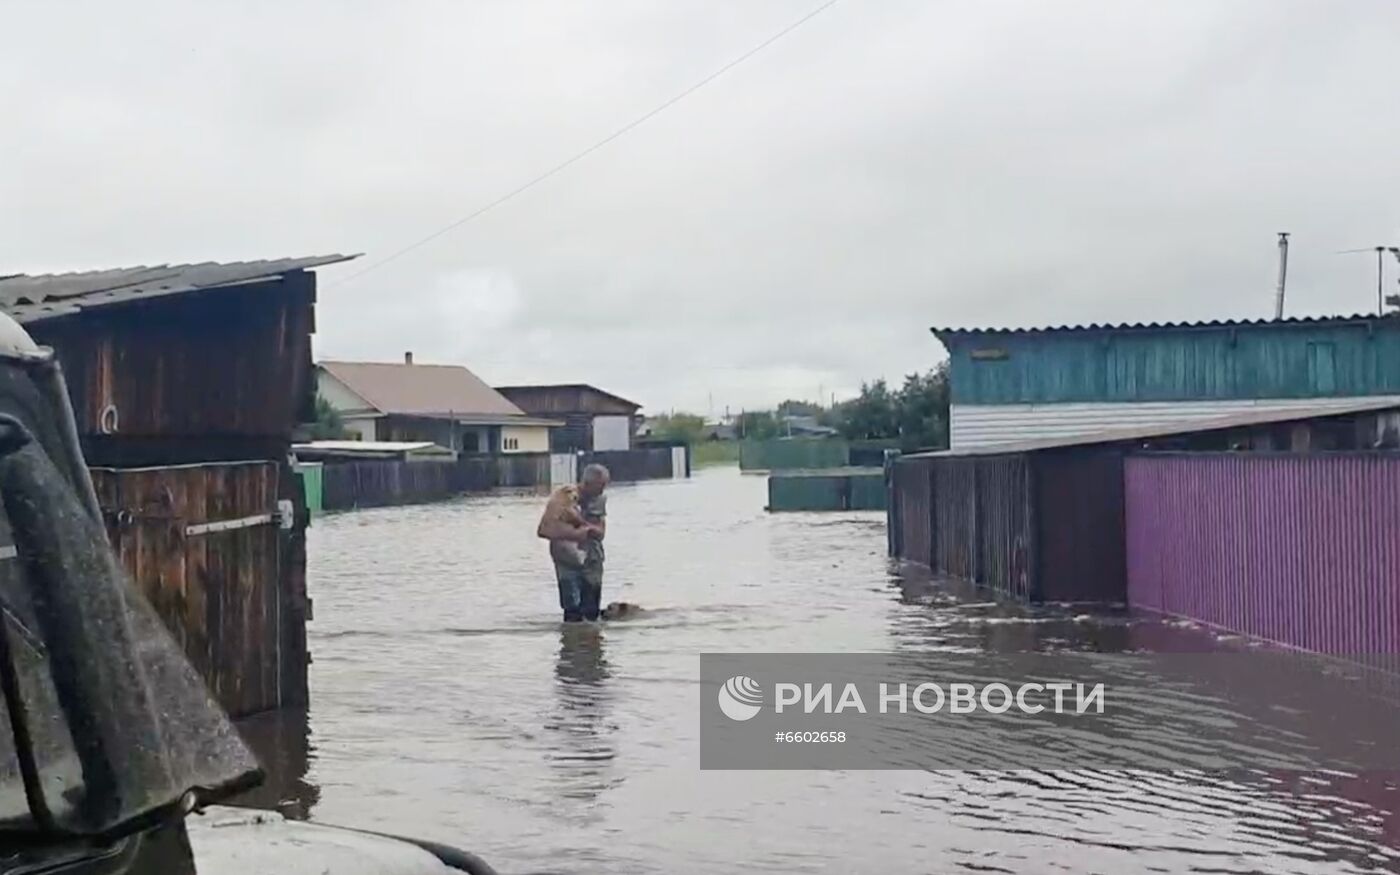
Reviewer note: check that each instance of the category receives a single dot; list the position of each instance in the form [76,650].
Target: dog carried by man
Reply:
[575,521]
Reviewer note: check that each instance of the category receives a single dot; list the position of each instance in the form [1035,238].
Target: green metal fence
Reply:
[827,489]
[312,479]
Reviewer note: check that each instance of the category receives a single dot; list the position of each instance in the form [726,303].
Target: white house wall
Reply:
[612,433]
[339,396]
[980,425]
[528,438]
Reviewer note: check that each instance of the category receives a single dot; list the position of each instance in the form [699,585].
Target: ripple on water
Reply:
[448,702]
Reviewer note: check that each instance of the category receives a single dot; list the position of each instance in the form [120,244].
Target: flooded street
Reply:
[449,703]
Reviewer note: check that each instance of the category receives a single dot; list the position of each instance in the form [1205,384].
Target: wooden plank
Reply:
[199,644]
[219,591]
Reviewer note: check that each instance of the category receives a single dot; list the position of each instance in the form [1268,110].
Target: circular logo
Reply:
[740,698]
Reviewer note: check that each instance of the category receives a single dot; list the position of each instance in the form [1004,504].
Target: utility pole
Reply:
[1380,270]
[1282,272]
[1380,281]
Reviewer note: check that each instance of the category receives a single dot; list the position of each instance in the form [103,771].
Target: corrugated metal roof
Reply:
[950,331]
[29,298]
[437,391]
[1154,430]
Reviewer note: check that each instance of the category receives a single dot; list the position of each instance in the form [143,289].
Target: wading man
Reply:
[577,550]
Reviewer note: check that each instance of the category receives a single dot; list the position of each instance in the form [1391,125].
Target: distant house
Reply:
[1013,385]
[594,420]
[445,405]
[361,451]
[806,426]
[720,431]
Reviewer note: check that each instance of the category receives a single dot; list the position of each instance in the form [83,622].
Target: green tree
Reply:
[759,425]
[678,427]
[916,414]
[799,408]
[873,414]
[329,426]
[923,410]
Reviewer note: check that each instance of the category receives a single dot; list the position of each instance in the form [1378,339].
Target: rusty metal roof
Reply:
[1159,430]
[1360,318]
[29,298]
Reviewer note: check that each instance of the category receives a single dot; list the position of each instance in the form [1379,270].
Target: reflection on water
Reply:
[282,742]
[583,754]
[450,703]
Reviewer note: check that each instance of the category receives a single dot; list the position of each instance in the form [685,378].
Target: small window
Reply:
[510,443]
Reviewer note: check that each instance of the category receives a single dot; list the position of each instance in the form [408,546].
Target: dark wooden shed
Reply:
[187,383]
[578,406]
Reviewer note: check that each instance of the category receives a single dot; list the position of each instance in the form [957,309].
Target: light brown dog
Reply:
[560,519]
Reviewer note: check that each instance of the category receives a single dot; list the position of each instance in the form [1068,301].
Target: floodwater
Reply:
[449,703]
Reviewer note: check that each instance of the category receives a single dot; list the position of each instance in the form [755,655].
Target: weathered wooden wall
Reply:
[374,484]
[208,376]
[229,597]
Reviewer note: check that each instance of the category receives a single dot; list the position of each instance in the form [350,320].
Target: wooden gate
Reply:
[202,542]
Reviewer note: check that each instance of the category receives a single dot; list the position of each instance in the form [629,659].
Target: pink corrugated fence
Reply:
[1301,550]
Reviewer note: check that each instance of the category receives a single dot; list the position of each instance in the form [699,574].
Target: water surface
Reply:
[448,702]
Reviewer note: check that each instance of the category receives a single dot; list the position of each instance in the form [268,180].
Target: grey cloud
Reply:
[794,227]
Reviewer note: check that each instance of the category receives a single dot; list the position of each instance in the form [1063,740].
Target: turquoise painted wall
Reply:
[1298,360]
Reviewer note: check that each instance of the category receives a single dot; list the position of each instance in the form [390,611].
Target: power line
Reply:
[563,165]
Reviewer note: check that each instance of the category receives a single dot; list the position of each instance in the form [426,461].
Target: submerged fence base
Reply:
[1033,526]
[1302,551]
[827,489]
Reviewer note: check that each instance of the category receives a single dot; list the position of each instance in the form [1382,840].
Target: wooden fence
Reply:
[650,463]
[350,485]
[204,544]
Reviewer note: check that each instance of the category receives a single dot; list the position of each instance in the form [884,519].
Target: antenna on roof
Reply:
[1282,272]
[1380,270]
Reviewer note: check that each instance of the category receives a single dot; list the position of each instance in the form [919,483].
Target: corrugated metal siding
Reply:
[955,517]
[1299,550]
[1031,526]
[911,500]
[1079,525]
[1294,360]
[980,425]
[1003,539]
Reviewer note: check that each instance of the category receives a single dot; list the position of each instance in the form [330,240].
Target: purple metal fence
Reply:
[1302,550]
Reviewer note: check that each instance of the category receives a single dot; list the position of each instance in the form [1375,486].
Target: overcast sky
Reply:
[793,227]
